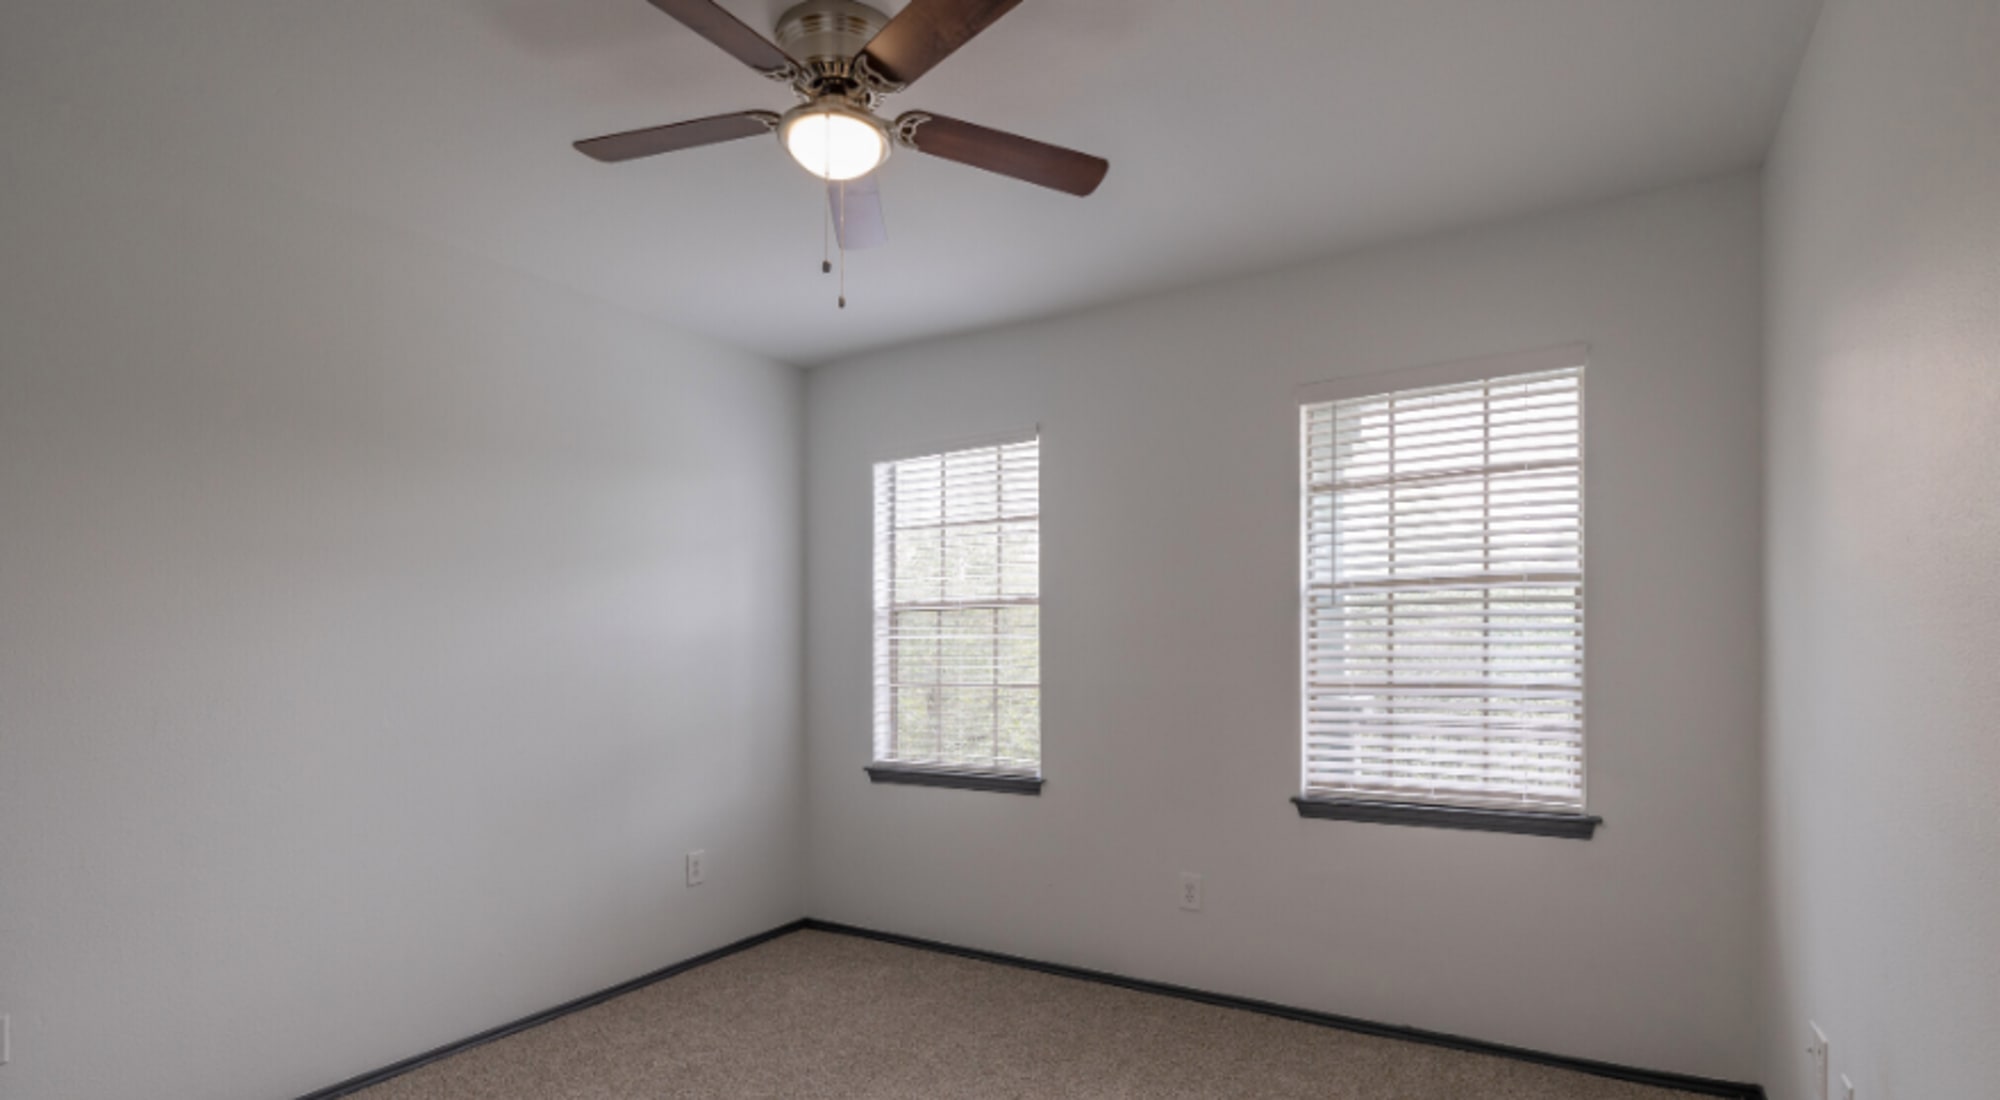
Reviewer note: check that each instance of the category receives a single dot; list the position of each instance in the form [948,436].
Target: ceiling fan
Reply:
[843,58]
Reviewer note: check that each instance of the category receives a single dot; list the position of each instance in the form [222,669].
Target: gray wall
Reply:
[1170,591]
[378,628]
[1883,769]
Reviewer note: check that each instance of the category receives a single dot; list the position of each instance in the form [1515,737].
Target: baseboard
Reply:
[376,1077]
[1704,1086]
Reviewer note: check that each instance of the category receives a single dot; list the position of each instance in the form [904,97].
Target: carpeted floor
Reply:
[818,1014]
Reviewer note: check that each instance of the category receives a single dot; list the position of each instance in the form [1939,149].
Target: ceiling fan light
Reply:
[833,141]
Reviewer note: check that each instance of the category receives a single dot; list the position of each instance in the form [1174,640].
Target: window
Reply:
[1442,633]
[958,618]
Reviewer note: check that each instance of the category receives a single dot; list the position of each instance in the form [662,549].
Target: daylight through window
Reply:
[1443,594]
[958,610]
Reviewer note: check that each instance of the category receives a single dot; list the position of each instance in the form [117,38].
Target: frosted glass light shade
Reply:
[834,142]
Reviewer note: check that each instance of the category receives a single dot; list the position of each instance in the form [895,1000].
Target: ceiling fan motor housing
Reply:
[826,34]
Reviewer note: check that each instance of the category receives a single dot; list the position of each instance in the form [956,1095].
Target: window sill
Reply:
[965,781]
[1525,822]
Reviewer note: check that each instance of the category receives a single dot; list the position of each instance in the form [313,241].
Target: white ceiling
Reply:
[1241,136]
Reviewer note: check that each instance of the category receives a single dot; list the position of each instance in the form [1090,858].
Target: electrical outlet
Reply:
[1816,1050]
[697,868]
[1191,891]
[1846,1088]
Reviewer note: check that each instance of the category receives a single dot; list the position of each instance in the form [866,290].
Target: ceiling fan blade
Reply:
[925,33]
[857,212]
[998,151]
[709,20]
[633,144]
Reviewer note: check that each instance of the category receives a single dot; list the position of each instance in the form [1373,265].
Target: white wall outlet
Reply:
[697,867]
[1816,1054]
[1846,1088]
[1191,891]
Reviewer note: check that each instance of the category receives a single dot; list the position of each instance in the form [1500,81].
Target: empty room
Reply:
[998,549]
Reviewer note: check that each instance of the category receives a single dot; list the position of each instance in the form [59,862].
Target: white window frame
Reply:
[1467,813]
[885,765]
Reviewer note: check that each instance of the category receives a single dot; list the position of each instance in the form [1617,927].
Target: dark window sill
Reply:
[1526,822]
[965,781]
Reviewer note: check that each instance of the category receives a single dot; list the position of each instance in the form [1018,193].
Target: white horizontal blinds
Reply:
[1443,634]
[958,610]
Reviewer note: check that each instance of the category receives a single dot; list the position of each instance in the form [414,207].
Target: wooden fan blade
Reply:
[633,144]
[709,20]
[857,212]
[926,32]
[1037,162]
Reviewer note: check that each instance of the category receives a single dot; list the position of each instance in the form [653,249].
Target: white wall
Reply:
[1168,556]
[378,628]
[1883,759]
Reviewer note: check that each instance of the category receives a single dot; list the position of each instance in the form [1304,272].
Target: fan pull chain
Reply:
[826,222]
[843,244]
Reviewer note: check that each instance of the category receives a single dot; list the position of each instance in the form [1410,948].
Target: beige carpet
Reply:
[818,1014]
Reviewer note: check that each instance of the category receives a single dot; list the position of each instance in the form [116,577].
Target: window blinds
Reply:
[1443,592]
[958,610]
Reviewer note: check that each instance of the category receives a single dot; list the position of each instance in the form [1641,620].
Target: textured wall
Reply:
[1883,770]
[377,629]
[1169,580]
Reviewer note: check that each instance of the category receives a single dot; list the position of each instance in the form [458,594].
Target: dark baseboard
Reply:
[376,1077]
[1704,1086]
[1700,1085]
